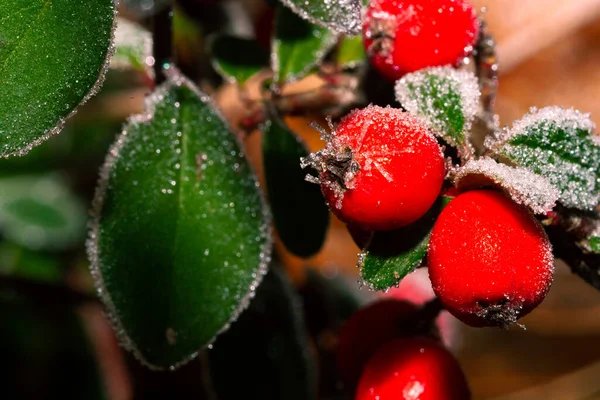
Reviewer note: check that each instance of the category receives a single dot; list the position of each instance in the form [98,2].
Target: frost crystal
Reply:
[522,185]
[444,98]
[558,144]
[340,16]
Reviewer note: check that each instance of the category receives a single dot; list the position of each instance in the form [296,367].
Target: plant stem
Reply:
[162,47]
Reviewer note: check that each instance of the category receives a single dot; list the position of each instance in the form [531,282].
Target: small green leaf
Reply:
[340,16]
[19,261]
[298,46]
[267,351]
[594,243]
[237,59]
[180,232]
[392,255]
[299,211]
[444,98]
[133,46]
[53,55]
[351,52]
[40,212]
[556,143]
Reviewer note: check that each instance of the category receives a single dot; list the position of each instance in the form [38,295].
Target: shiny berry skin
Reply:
[367,330]
[381,169]
[403,36]
[413,368]
[490,261]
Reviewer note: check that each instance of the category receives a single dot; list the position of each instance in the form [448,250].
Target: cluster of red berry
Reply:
[490,261]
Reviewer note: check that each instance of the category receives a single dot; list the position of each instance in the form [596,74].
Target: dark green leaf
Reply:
[180,237]
[351,52]
[391,255]
[40,212]
[299,211]
[594,243]
[45,353]
[53,55]
[267,351]
[236,58]
[444,98]
[298,46]
[556,143]
[340,16]
[23,263]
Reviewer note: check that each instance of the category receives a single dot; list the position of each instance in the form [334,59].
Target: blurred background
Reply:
[55,341]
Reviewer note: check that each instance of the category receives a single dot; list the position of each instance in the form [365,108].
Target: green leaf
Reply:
[40,212]
[237,59]
[133,46]
[298,46]
[53,55]
[340,16]
[299,211]
[19,261]
[594,243]
[444,98]
[556,143]
[351,52]
[267,351]
[392,255]
[180,233]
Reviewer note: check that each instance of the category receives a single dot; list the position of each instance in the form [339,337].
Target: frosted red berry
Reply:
[490,261]
[413,368]
[403,36]
[381,169]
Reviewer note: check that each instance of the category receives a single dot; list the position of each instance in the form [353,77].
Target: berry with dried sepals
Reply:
[373,326]
[381,168]
[403,36]
[490,261]
[413,368]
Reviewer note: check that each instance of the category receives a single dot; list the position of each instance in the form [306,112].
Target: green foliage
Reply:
[52,58]
[341,16]
[351,52]
[299,211]
[390,256]
[236,58]
[180,237]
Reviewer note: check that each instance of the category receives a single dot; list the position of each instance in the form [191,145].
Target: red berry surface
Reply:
[381,169]
[411,369]
[403,36]
[367,330]
[490,261]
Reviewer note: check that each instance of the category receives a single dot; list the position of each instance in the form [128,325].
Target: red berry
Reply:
[413,368]
[403,36]
[367,330]
[381,169]
[490,261]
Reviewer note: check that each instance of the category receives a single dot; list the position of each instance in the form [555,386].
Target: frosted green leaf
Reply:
[522,185]
[594,243]
[180,236]
[40,212]
[391,255]
[556,143]
[53,57]
[443,98]
[133,47]
[351,52]
[298,46]
[340,16]
[237,59]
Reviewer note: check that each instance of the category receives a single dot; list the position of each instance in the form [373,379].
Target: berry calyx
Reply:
[413,368]
[490,261]
[373,326]
[381,168]
[403,36]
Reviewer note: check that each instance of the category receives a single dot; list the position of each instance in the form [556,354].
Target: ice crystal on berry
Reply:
[522,185]
[557,143]
[443,98]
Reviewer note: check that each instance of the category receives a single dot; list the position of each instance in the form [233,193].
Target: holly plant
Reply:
[189,241]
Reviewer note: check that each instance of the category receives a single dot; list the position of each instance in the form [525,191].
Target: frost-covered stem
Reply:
[162,39]
[486,69]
